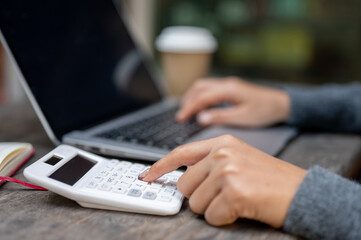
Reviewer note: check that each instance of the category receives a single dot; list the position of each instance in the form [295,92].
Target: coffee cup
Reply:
[186,55]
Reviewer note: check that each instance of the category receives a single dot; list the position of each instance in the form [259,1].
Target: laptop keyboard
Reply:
[160,131]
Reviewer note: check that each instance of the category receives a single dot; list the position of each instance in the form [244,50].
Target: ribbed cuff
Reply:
[329,107]
[309,107]
[326,206]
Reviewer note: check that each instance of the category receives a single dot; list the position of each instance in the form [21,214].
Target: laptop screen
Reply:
[78,59]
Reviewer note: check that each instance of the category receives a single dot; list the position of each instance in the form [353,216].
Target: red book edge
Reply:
[20,165]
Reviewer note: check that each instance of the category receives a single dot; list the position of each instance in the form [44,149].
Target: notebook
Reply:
[12,156]
[93,88]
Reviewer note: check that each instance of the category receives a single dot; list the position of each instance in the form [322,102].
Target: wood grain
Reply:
[31,214]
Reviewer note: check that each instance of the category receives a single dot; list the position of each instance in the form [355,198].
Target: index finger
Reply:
[199,86]
[188,154]
[203,100]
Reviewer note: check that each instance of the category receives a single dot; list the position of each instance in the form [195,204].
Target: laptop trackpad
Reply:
[269,140]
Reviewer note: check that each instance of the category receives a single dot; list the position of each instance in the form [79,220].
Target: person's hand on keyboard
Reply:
[252,105]
[227,179]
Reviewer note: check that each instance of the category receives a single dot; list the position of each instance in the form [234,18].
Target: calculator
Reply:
[97,182]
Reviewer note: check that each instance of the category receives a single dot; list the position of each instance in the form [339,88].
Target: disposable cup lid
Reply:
[186,39]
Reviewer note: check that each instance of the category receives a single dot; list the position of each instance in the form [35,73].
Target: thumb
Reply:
[219,116]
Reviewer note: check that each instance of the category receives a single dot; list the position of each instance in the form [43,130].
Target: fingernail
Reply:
[143,174]
[204,118]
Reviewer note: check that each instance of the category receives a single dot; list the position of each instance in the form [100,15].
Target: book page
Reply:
[10,150]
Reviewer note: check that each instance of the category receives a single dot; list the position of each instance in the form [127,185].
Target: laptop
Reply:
[92,87]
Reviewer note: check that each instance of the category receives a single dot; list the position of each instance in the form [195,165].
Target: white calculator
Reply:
[97,182]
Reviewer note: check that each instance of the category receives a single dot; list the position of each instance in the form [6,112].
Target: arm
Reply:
[227,179]
[329,107]
[325,206]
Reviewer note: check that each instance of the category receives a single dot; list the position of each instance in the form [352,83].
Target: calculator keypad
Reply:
[121,177]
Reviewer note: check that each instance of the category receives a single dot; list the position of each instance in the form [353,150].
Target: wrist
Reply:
[283,105]
[295,179]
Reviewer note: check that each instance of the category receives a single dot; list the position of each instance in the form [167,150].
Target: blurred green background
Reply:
[309,41]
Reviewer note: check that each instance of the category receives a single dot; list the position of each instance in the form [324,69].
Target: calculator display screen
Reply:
[73,170]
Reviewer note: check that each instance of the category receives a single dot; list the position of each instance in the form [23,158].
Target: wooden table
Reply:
[32,214]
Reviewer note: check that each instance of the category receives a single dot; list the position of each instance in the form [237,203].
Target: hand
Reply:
[227,179]
[253,105]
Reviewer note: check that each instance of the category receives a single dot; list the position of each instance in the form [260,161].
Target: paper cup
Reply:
[186,54]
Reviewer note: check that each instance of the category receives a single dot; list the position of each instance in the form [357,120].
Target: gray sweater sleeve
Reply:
[326,206]
[330,107]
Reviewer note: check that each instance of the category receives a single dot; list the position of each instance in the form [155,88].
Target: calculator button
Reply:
[156,185]
[162,179]
[150,195]
[138,167]
[120,190]
[128,178]
[168,192]
[134,192]
[154,189]
[170,186]
[124,184]
[103,173]
[116,175]
[173,180]
[174,174]
[121,169]
[98,179]
[108,168]
[111,180]
[125,164]
[141,182]
[140,186]
[165,198]
[92,185]
[105,187]
[133,172]
[113,163]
